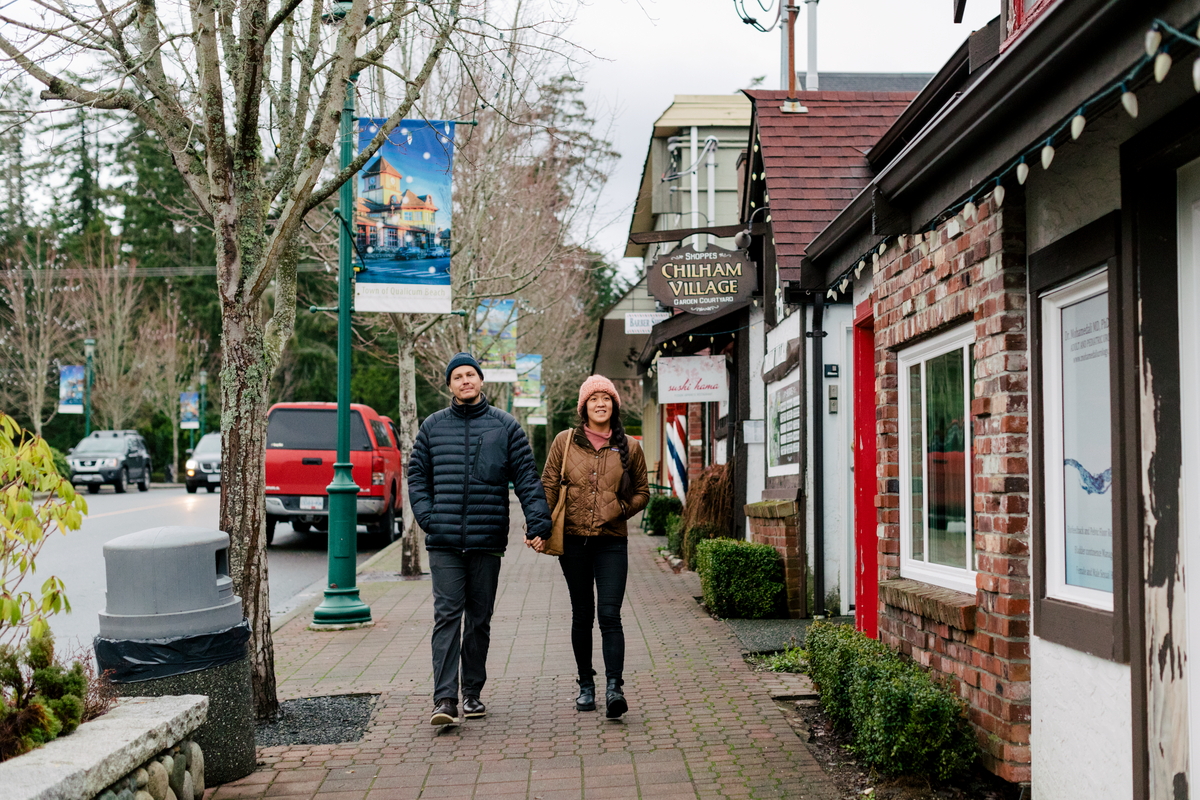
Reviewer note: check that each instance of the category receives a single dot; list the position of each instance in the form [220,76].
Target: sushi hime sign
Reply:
[702,281]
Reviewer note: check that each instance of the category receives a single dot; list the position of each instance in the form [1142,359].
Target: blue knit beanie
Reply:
[462,360]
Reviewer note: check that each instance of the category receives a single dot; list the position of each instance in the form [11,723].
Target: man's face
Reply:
[465,384]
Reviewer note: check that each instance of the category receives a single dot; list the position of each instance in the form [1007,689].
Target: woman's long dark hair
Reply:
[619,441]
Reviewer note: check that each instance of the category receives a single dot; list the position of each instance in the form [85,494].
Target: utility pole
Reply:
[342,604]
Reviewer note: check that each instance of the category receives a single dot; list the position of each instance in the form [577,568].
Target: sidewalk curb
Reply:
[284,619]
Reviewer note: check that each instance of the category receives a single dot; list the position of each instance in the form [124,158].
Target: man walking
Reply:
[458,476]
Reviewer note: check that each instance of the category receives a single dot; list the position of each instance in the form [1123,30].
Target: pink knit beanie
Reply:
[596,383]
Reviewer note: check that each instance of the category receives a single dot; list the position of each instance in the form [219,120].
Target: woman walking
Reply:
[604,475]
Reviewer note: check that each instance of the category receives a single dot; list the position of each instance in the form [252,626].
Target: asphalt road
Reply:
[296,563]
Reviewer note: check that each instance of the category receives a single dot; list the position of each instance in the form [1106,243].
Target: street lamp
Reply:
[89,350]
[342,605]
[203,384]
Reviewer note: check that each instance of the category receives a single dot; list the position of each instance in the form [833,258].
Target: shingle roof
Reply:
[815,163]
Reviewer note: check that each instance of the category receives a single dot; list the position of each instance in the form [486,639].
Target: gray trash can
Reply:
[172,625]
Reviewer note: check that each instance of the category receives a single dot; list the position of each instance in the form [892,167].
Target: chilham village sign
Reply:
[702,281]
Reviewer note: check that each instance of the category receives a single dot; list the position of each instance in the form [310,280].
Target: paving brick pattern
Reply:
[700,725]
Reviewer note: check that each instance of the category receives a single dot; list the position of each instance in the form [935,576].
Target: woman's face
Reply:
[599,408]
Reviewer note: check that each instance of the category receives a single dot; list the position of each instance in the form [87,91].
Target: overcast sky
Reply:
[648,51]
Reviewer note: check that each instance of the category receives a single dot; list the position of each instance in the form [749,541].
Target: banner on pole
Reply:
[496,335]
[189,410]
[402,219]
[70,389]
[692,379]
[527,393]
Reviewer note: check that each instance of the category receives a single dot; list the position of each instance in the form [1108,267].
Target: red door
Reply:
[866,584]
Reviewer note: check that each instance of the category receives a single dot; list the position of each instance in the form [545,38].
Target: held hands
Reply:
[537,544]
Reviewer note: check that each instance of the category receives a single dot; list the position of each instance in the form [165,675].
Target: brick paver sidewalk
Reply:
[700,723]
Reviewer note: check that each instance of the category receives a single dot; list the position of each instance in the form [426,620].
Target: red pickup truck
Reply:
[301,451]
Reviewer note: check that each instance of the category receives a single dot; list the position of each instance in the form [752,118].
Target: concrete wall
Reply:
[1082,722]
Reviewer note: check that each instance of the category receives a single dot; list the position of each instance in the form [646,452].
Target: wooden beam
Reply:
[959,7]
[679,234]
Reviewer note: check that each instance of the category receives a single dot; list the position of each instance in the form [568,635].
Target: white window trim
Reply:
[1052,304]
[961,580]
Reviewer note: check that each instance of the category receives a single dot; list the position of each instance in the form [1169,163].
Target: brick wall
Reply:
[973,272]
[697,434]
[775,522]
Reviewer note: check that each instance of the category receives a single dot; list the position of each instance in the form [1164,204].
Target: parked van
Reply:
[301,451]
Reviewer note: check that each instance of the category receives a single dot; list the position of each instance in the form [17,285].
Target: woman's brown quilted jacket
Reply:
[593,508]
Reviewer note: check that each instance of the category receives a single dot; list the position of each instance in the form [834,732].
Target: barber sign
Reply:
[692,379]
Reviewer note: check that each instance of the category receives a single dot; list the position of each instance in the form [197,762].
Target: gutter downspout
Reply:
[711,176]
[818,465]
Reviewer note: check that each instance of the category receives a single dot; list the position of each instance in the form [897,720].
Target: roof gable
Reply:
[815,163]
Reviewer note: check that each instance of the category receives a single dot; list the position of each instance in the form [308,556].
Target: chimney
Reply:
[810,80]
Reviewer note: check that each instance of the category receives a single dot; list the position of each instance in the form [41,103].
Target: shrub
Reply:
[901,719]
[60,463]
[710,499]
[659,508]
[792,659]
[675,534]
[740,580]
[693,535]
[40,699]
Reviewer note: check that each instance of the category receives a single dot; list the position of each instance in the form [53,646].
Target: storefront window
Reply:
[936,525]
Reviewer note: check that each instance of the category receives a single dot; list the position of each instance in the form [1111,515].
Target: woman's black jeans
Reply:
[602,562]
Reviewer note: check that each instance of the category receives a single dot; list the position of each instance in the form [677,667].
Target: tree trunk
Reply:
[174,476]
[406,426]
[244,374]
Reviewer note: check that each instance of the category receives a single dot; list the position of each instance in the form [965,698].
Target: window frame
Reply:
[1089,629]
[1051,303]
[962,339]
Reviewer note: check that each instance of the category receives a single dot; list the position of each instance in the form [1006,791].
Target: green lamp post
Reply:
[203,386]
[342,605]
[89,350]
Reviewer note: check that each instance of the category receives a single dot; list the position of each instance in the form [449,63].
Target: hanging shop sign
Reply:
[692,379]
[641,323]
[702,281]
[402,219]
[70,389]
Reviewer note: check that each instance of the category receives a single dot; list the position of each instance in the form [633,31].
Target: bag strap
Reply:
[562,468]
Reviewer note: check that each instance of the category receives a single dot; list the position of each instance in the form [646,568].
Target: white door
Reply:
[1189,389]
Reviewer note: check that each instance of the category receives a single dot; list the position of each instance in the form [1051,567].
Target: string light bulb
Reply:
[969,211]
[1153,41]
[845,284]
[858,270]
[1022,172]
[1129,101]
[829,294]
[998,194]
[1196,74]
[1047,155]
[1078,122]
[1162,65]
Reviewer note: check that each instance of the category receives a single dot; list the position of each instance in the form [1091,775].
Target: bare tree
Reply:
[173,352]
[108,299]
[36,329]
[246,97]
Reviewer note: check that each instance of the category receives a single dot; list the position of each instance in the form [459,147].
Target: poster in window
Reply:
[1087,446]
[783,417]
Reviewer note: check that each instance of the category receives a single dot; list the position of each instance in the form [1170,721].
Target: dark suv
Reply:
[112,457]
[203,466]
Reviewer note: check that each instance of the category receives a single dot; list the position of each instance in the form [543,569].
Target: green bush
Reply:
[675,534]
[740,580]
[60,463]
[693,536]
[659,508]
[902,720]
[40,699]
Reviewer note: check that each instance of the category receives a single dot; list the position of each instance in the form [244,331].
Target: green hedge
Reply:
[902,720]
[675,534]
[693,536]
[740,580]
[659,508]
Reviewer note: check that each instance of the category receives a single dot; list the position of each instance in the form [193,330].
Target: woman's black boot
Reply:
[587,694]
[614,698]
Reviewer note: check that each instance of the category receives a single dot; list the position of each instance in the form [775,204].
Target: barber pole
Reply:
[677,454]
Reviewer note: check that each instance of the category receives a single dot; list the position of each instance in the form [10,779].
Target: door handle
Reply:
[315,462]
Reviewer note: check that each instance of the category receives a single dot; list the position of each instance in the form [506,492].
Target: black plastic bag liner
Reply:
[134,660]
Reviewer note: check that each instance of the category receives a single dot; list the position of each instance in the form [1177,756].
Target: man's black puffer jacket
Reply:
[458,476]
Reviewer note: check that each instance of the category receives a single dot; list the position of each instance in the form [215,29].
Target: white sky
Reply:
[648,51]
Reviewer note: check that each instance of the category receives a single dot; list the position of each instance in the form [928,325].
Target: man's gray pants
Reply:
[462,583]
